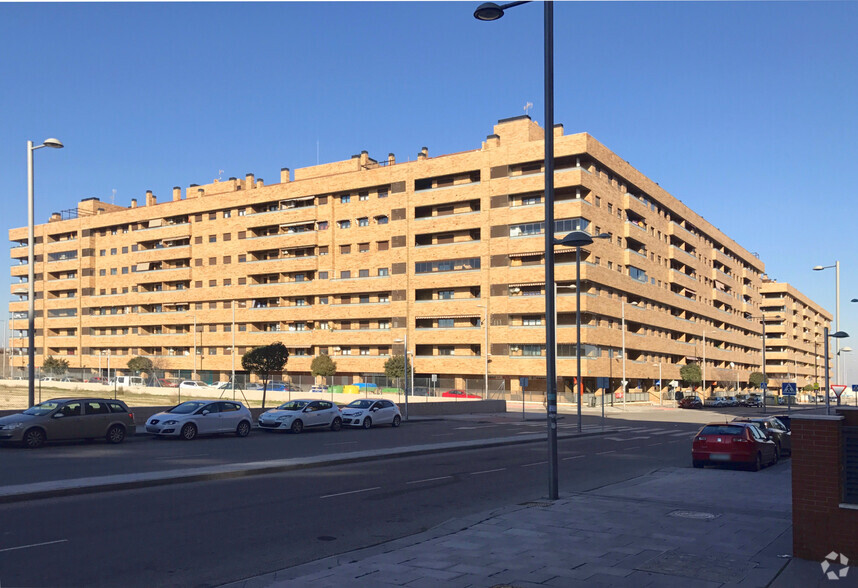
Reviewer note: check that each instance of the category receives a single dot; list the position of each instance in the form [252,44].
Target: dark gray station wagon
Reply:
[61,419]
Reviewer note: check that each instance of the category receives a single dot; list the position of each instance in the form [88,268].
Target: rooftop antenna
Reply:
[113,197]
[219,176]
[527,107]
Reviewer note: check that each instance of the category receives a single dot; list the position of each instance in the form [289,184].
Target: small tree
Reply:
[55,366]
[808,388]
[395,368]
[263,361]
[690,374]
[757,378]
[324,366]
[141,365]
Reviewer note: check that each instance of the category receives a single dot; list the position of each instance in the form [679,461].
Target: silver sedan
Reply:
[201,417]
[297,415]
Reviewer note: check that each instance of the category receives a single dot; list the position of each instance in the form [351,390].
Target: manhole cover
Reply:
[692,514]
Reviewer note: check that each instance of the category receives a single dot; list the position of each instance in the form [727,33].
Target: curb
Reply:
[74,487]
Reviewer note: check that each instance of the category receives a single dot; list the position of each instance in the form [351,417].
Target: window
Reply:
[382,219]
[323,275]
[212,238]
[382,193]
[323,299]
[637,274]
[363,221]
[363,299]
[242,211]
[571,224]
[125,250]
[383,245]
[212,260]
[344,224]
[446,350]
[344,275]
[382,324]
[383,298]
[212,283]
[134,248]
[212,216]
[345,199]
[323,250]
[363,247]
[446,294]
[345,249]
[447,265]
[300,302]
[322,226]
[364,273]
[446,323]
[198,240]
[300,277]
[227,259]
[227,236]
[531,321]
[102,252]
[242,258]
[527,200]
[102,272]
[227,213]
[382,271]
[531,350]
[125,270]
[363,196]
[227,282]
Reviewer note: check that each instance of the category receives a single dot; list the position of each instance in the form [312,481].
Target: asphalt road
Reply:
[210,533]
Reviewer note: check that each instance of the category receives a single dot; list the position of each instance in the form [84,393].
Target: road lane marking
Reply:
[624,438]
[352,492]
[572,457]
[525,433]
[34,545]
[429,480]
[654,444]
[487,471]
[527,465]
[604,452]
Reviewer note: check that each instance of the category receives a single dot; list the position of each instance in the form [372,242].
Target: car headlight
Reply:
[171,422]
[285,417]
[11,426]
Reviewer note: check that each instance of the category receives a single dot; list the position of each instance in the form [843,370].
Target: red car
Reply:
[97,380]
[459,394]
[733,443]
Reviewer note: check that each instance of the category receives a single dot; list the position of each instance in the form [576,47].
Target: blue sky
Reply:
[744,111]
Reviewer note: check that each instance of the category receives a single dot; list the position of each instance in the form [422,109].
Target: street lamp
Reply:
[825,336]
[836,267]
[485,307]
[490,11]
[31,269]
[624,346]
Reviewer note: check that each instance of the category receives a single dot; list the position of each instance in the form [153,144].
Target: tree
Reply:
[55,366]
[690,374]
[808,388]
[756,378]
[140,365]
[395,367]
[263,361]
[324,366]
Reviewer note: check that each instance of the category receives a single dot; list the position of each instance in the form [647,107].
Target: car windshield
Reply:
[43,408]
[360,404]
[722,430]
[292,405]
[187,407]
[778,424]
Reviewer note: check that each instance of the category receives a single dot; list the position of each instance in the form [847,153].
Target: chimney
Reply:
[391,159]
[260,183]
[364,158]
[284,175]
[424,153]
[177,193]
[133,203]
[200,192]
[492,141]
[558,130]
[151,200]
[248,181]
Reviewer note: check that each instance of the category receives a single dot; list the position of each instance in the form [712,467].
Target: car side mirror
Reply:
[58,415]
[205,412]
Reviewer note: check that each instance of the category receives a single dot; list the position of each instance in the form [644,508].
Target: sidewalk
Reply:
[673,527]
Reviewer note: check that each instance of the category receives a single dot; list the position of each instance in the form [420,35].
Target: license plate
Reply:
[720,457]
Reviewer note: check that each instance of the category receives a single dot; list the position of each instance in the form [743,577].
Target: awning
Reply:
[142,267]
[156,222]
[449,316]
[301,199]
[691,358]
[529,254]
[526,284]
[306,222]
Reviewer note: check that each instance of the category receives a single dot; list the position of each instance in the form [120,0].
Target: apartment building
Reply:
[356,257]
[794,336]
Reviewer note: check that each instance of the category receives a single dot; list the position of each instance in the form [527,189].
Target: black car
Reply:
[775,429]
[753,400]
[785,419]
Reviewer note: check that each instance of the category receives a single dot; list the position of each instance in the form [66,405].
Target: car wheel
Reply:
[367,423]
[115,434]
[337,424]
[396,421]
[189,431]
[697,463]
[297,427]
[758,463]
[243,429]
[34,438]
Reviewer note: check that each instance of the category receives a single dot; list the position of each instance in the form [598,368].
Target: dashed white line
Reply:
[604,452]
[34,545]
[654,444]
[429,480]
[352,492]
[527,465]
[572,457]
[487,471]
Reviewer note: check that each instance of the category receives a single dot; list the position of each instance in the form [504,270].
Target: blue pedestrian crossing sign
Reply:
[522,381]
[855,387]
[788,389]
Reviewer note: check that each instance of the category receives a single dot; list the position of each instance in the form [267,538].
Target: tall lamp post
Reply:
[491,11]
[836,267]
[825,336]
[485,307]
[31,266]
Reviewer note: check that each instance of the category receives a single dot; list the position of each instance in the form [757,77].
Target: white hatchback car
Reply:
[201,417]
[366,413]
[194,385]
[297,415]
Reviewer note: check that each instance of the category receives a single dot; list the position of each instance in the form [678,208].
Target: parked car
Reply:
[741,443]
[459,394]
[297,415]
[283,387]
[367,412]
[690,402]
[318,389]
[70,379]
[49,379]
[97,380]
[169,382]
[201,417]
[775,429]
[785,419]
[130,381]
[753,400]
[62,419]
[194,385]
[731,401]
